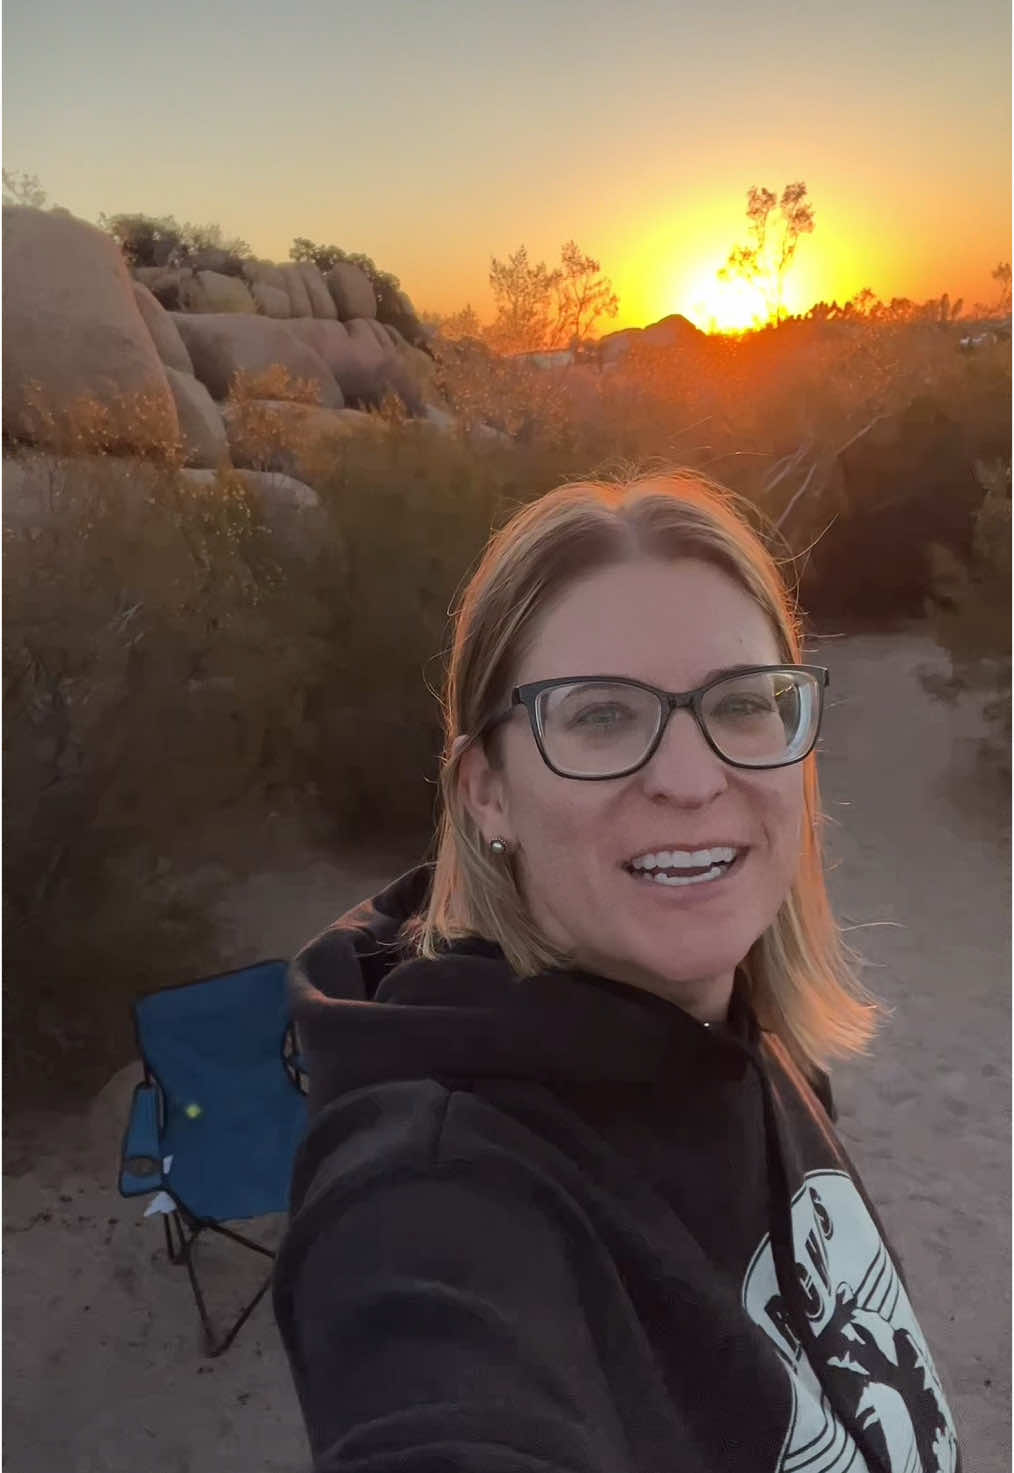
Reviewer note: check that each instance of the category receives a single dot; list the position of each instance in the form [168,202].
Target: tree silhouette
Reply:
[539,308]
[583,295]
[764,261]
[326,256]
[523,294]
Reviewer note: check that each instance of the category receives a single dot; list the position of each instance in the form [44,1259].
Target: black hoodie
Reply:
[556,1225]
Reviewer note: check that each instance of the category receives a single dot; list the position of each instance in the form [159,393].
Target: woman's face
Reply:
[671,625]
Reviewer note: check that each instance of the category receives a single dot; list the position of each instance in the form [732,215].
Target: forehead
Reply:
[667,623]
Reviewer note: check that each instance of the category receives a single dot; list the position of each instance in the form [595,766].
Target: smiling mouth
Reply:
[676,869]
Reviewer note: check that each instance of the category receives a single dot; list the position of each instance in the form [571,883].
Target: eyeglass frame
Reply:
[689,700]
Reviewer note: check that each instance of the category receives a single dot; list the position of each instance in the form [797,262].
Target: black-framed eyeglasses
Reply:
[594,727]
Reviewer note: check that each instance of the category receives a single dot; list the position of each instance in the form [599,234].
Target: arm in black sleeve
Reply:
[434,1324]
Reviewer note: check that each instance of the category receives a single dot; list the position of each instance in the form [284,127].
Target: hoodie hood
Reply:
[368,1012]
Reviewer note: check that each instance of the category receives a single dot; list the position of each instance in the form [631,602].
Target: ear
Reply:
[484,794]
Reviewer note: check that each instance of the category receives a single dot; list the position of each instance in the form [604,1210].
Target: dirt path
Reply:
[922,844]
[104,1371]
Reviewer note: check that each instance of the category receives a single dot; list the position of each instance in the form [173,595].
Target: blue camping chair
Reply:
[216,1121]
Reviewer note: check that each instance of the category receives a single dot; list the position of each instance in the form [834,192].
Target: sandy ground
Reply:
[102,1351]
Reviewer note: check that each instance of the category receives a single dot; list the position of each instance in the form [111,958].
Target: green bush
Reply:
[155,673]
[414,509]
[970,611]
[171,673]
[150,240]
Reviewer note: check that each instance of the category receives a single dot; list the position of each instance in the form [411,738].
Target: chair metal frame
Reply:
[182,1227]
[181,1253]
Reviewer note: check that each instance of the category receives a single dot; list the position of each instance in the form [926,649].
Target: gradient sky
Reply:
[432,134]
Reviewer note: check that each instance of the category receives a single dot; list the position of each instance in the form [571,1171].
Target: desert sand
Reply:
[103,1359]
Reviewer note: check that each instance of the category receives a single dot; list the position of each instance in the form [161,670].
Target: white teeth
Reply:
[683,859]
[711,874]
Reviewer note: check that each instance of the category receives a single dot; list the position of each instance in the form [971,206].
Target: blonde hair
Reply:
[799,975]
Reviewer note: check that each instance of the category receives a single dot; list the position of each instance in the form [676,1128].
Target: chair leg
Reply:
[223,1345]
[216,1227]
[213,1345]
[176,1250]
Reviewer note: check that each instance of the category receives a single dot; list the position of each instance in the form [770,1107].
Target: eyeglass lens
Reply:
[595,728]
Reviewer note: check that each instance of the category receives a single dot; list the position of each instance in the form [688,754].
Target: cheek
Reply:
[557,824]
[785,815]
[553,825]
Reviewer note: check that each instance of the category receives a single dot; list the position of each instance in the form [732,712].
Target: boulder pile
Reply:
[165,343]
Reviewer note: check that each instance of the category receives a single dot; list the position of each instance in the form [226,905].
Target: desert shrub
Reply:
[150,240]
[156,665]
[144,425]
[414,508]
[274,382]
[790,416]
[969,608]
[507,394]
[263,436]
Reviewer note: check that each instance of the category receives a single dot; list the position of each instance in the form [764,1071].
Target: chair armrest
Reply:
[141,1156]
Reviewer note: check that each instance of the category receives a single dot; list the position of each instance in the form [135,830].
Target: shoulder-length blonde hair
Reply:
[799,974]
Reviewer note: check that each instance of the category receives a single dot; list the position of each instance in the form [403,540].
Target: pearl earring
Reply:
[498,847]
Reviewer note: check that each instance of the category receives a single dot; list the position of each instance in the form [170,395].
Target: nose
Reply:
[684,769]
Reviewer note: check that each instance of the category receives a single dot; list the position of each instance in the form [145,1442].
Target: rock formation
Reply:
[222,344]
[80,328]
[72,325]
[352,292]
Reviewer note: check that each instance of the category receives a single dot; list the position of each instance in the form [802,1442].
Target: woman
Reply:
[571,1198]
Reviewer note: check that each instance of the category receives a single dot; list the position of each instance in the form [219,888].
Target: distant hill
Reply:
[673,331]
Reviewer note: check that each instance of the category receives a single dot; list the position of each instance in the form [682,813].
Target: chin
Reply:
[686,970]
[689,959]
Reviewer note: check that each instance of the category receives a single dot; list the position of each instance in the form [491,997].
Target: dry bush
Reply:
[506,394]
[144,425]
[156,667]
[264,437]
[799,382]
[391,411]
[415,508]
[771,413]
[970,610]
[274,382]
[261,436]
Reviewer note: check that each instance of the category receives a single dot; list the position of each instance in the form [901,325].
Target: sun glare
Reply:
[721,306]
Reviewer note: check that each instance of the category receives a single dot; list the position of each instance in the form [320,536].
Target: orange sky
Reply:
[433,137]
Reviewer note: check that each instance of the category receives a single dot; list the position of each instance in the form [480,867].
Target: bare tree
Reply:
[453,327]
[538,308]
[1001,275]
[583,296]
[764,261]
[523,294]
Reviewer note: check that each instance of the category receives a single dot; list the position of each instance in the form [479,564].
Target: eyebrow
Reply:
[705,679]
[726,670]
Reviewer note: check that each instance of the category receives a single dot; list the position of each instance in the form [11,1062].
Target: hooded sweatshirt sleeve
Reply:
[434,1323]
